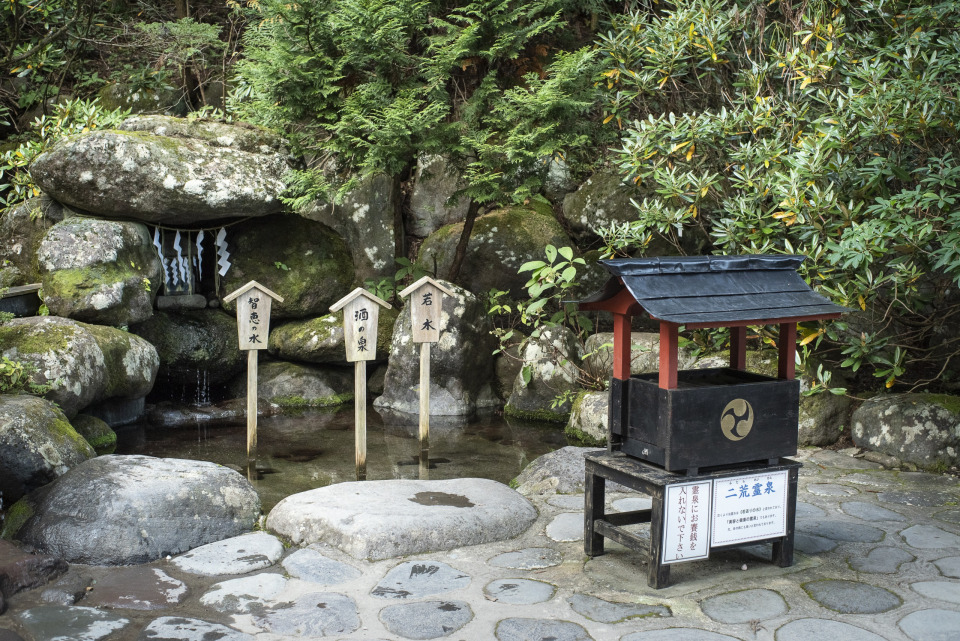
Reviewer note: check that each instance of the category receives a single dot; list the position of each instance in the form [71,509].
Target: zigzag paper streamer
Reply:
[199,254]
[222,252]
[180,262]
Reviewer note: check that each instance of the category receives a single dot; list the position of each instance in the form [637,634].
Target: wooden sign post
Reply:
[361,309]
[253,330]
[425,306]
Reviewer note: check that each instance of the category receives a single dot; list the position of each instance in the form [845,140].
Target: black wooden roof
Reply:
[718,290]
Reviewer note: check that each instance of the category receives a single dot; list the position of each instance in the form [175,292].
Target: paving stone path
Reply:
[877,559]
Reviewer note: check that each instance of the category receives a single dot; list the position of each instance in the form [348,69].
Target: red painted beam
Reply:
[669,348]
[760,321]
[621,303]
[738,348]
[621,346]
[787,357]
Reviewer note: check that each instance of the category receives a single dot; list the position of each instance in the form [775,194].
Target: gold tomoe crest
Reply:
[736,419]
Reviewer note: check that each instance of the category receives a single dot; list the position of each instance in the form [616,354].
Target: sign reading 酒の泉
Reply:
[749,508]
[686,521]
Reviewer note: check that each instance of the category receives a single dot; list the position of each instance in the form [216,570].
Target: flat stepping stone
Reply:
[248,594]
[567,501]
[882,480]
[238,555]
[931,625]
[71,622]
[840,531]
[183,629]
[929,537]
[317,614]
[310,565]
[882,560]
[386,519]
[527,559]
[632,504]
[943,590]
[831,489]
[850,597]
[919,498]
[840,461]
[567,526]
[678,634]
[603,611]
[419,579]
[137,588]
[949,566]
[811,544]
[519,591]
[807,629]
[426,620]
[950,516]
[518,629]
[808,511]
[870,512]
[743,606]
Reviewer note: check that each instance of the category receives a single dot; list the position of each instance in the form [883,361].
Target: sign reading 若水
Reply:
[686,522]
[749,508]
[425,309]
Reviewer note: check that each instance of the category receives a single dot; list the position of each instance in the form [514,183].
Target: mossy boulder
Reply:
[304,261]
[163,100]
[320,340]
[294,385]
[99,271]
[434,182]
[159,169]
[189,342]
[96,432]
[501,241]
[543,389]
[922,429]
[37,444]
[84,364]
[22,228]
[644,354]
[589,419]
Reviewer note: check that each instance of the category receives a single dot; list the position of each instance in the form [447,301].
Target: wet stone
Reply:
[184,629]
[949,566]
[850,597]
[807,629]
[527,559]
[238,555]
[678,634]
[870,512]
[137,588]
[632,504]
[248,594]
[919,498]
[419,579]
[810,544]
[744,605]
[840,531]
[808,511]
[310,565]
[931,625]
[607,612]
[67,590]
[518,629]
[943,590]
[9,635]
[316,614]
[929,537]
[567,526]
[567,501]
[949,516]
[831,489]
[426,620]
[519,591]
[882,560]
[70,622]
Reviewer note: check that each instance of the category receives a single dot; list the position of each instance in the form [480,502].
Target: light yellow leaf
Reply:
[703,192]
[680,145]
[809,338]
[829,46]
[862,301]
[807,39]
[891,381]
[806,81]
[608,119]
[690,152]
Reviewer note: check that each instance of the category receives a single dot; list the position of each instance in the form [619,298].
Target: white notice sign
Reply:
[749,508]
[686,522]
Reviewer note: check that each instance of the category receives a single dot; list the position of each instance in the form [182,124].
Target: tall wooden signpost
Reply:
[425,306]
[361,309]
[253,330]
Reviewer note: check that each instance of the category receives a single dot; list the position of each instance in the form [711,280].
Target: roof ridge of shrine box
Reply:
[706,418]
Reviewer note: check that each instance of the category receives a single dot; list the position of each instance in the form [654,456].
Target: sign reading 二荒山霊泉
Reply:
[749,508]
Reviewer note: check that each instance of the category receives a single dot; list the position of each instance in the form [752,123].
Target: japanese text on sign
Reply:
[253,319]
[686,531]
[750,508]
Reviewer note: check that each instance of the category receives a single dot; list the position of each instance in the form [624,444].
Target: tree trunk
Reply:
[182,8]
[461,252]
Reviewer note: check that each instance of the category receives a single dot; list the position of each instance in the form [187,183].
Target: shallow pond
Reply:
[316,448]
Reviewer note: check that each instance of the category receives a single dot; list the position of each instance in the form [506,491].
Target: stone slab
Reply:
[184,629]
[924,498]
[850,597]
[808,511]
[678,634]
[519,629]
[604,611]
[831,489]
[426,620]
[137,588]
[519,591]
[807,629]
[931,625]
[930,537]
[386,519]
[870,512]
[632,504]
[310,565]
[237,555]
[567,526]
[527,559]
[247,594]
[943,590]
[70,623]
[316,614]
[841,531]
[744,606]
[416,579]
[882,560]
[949,566]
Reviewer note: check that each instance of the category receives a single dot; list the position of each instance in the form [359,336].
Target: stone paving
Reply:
[877,558]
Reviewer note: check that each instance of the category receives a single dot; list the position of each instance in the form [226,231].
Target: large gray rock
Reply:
[297,385]
[21,571]
[122,510]
[602,199]
[434,182]
[21,230]
[544,388]
[303,261]
[365,219]
[166,170]
[84,364]
[923,429]
[194,341]
[500,243]
[589,418]
[37,444]
[99,271]
[320,340]
[644,354]
[461,363]
[386,519]
[561,471]
[824,417]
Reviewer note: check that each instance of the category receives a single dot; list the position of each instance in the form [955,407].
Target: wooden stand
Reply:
[651,480]
[360,418]
[252,356]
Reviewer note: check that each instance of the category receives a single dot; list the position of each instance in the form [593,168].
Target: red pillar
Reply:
[738,348]
[668,355]
[621,346]
[786,359]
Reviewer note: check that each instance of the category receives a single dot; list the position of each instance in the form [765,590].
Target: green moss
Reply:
[544,416]
[16,516]
[96,432]
[579,437]
[30,339]
[514,483]
[294,402]
[946,401]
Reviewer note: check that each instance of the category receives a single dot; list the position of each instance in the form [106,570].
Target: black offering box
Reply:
[692,419]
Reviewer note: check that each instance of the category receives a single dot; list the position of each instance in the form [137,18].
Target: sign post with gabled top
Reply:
[425,319]
[253,331]
[361,309]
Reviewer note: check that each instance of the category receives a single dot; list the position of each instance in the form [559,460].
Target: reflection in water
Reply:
[315,448]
